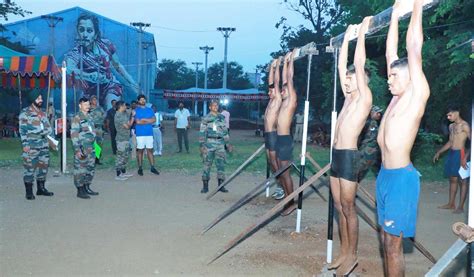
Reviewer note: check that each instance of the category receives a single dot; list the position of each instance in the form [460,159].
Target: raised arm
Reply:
[359,62]
[285,68]
[276,78]
[291,72]
[391,47]
[343,54]
[414,45]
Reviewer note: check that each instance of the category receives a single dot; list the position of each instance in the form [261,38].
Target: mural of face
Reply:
[86,32]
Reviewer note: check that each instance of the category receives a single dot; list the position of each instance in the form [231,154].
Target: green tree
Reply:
[7,8]
[236,78]
[174,74]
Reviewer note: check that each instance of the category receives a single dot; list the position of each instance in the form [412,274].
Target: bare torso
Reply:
[458,135]
[271,114]
[285,116]
[350,122]
[399,127]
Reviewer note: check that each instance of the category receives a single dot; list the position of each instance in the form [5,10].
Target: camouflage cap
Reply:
[377,109]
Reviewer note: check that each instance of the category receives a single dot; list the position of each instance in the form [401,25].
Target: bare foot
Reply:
[347,266]
[335,264]
[458,211]
[289,210]
[447,207]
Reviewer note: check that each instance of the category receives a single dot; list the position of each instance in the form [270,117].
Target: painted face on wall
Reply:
[86,32]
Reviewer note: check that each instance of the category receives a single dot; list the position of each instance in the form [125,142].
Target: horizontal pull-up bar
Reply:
[378,22]
[308,49]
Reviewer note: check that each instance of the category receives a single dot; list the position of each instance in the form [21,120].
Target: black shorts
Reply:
[270,140]
[284,148]
[345,164]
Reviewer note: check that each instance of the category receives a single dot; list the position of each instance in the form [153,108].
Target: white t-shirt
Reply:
[158,118]
[182,118]
[226,114]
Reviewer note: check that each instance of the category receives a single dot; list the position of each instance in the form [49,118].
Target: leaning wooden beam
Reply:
[312,186]
[249,196]
[236,172]
[269,214]
[380,21]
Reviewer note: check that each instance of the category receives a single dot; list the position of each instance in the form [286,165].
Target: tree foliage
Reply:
[236,78]
[10,7]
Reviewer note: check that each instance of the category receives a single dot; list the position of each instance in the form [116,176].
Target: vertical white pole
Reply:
[470,220]
[63,114]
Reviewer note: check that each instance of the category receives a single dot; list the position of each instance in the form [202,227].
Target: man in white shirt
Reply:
[181,123]
[157,141]
[226,114]
[298,135]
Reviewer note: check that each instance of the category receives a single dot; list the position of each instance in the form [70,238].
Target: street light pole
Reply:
[197,64]
[226,32]
[140,26]
[206,50]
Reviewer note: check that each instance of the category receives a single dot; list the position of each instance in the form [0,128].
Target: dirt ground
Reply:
[151,225]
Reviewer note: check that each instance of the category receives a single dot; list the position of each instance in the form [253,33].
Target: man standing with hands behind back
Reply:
[181,123]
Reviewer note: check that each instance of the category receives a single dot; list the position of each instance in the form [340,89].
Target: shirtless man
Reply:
[398,183]
[345,157]
[271,114]
[284,144]
[459,132]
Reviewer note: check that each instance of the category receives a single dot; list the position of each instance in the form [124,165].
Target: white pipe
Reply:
[298,220]
[305,133]
[267,192]
[329,252]
[470,220]
[63,114]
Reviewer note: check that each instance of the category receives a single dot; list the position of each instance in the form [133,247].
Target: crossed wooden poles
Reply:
[277,208]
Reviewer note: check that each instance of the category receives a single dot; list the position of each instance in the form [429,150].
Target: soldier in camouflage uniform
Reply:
[213,138]
[123,122]
[369,149]
[97,115]
[34,129]
[83,137]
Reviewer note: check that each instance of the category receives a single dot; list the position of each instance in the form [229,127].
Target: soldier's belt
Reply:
[215,137]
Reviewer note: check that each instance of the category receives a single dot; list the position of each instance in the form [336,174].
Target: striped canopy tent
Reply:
[21,71]
[201,94]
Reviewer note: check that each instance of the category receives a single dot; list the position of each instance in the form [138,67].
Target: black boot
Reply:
[88,190]
[81,193]
[219,182]
[205,186]
[97,161]
[29,191]
[41,190]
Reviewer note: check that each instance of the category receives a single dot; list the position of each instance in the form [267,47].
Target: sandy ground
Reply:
[151,225]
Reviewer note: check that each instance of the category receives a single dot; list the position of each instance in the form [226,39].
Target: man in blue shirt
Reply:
[144,118]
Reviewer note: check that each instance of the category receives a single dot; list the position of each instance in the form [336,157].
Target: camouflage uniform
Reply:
[34,127]
[123,140]
[83,137]
[97,116]
[369,149]
[213,135]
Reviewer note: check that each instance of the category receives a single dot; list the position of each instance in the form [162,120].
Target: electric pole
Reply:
[206,50]
[145,46]
[226,32]
[140,27]
[52,21]
[197,64]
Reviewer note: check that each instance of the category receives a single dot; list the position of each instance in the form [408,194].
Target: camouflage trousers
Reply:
[123,154]
[36,160]
[84,169]
[215,150]
[369,160]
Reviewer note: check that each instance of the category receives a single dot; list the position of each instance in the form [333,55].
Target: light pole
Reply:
[226,32]
[206,50]
[197,84]
[140,26]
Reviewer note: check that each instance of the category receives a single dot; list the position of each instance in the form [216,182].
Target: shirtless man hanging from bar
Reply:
[271,113]
[345,156]
[284,144]
[398,183]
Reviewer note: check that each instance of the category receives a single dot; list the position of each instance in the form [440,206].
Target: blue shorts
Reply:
[398,192]
[452,163]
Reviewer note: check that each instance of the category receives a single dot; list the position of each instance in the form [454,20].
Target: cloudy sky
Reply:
[181,26]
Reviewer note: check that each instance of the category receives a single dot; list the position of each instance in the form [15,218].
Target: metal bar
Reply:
[380,21]
[249,196]
[236,172]
[446,259]
[268,215]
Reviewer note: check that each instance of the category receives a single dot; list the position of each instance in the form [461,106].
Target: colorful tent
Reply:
[201,94]
[18,70]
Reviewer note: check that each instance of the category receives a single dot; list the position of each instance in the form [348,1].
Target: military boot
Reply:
[219,182]
[41,190]
[88,190]
[205,186]
[29,191]
[81,193]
